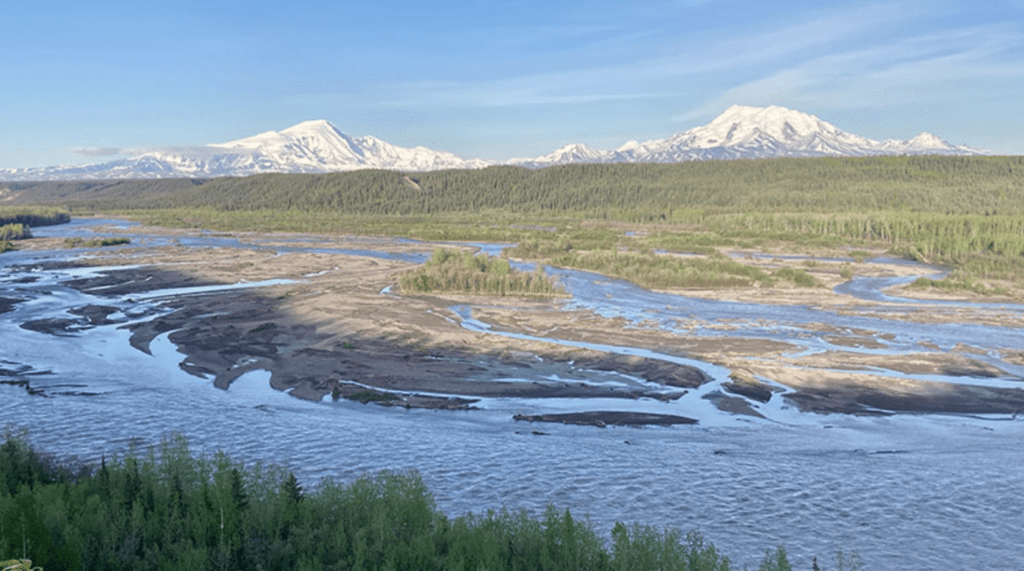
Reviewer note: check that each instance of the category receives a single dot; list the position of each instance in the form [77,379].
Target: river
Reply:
[910,492]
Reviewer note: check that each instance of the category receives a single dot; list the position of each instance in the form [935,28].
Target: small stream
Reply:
[906,492]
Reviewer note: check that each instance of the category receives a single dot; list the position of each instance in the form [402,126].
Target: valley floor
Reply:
[331,326]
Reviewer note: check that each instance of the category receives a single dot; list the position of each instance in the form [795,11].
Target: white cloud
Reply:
[653,74]
[98,151]
[928,67]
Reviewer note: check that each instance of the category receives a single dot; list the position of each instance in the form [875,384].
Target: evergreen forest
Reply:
[165,508]
[966,213]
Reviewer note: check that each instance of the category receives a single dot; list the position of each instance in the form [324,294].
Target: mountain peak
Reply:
[314,127]
[317,146]
[925,139]
[741,124]
[567,154]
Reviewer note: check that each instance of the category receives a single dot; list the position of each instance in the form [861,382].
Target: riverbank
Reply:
[327,327]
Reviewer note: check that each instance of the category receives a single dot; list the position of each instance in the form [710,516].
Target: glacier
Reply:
[741,132]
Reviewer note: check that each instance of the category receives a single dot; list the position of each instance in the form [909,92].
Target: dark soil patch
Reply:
[602,418]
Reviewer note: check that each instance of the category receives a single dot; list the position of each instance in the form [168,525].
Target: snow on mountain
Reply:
[751,133]
[740,132]
[309,147]
[573,153]
[768,132]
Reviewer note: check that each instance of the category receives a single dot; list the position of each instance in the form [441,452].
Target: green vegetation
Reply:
[959,284]
[449,271]
[963,212]
[94,242]
[653,270]
[626,192]
[14,232]
[167,509]
[33,215]
[15,222]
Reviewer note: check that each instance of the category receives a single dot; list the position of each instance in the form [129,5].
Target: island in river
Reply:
[327,322]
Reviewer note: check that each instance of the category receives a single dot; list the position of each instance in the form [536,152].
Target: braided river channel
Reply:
[905,491]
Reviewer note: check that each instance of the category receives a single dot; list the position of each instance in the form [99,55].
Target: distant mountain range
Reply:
[318,146]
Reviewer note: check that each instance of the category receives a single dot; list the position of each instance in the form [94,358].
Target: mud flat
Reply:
[326,326]
[327,331]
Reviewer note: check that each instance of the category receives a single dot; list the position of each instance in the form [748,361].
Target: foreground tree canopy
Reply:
[165,508]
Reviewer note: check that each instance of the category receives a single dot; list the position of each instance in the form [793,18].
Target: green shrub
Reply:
[95,242]
[775,560]
[14,232]
[798,277]
[666,271]
[448,271]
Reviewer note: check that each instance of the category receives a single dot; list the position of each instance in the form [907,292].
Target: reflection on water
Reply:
[906,492]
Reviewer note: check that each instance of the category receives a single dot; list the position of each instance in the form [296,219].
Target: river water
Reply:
[906,492]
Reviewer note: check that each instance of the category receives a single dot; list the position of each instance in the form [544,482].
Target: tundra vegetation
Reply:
[448,270]
[33,216]
[961,212]
[15,222]
[95,242]
[166,508]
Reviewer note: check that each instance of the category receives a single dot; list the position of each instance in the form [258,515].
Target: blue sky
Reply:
[88,81]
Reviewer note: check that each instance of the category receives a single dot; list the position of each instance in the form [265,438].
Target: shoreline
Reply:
[331,333]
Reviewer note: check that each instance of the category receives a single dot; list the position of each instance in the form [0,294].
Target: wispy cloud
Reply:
[929,67]
[667,67]
[99,151]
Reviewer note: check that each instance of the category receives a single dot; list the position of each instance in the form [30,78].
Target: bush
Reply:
[14,232]
[95,242]
[448,271]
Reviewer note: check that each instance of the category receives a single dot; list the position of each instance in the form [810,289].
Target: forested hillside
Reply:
[961,185]
[965,212]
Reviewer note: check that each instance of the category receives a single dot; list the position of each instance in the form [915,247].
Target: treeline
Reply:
[965,212]
[633,192]
[167,509]
[449,271]
[15,222]
[33,216]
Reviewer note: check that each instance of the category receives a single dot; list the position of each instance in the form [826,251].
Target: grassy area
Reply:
[986,253]
[95,242]
[660,271]
[167,509]
[449,271]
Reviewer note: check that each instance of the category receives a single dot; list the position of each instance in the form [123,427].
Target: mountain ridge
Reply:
[317,146]
[743,132]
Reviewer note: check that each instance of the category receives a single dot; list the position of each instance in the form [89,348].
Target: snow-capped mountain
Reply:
[309,147]
[572,153]
[752,133]
[317,146]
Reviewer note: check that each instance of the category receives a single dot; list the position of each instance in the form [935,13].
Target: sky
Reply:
[86,81]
